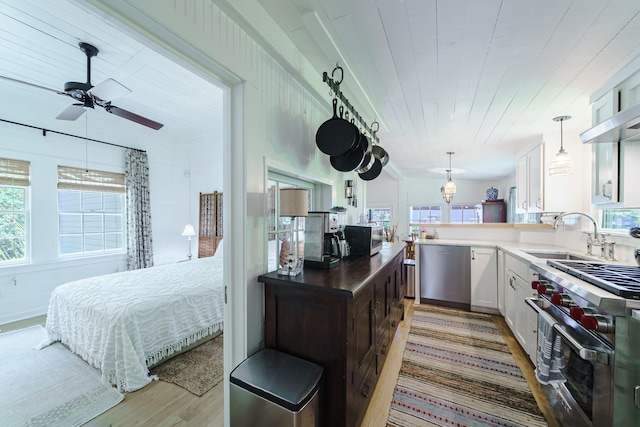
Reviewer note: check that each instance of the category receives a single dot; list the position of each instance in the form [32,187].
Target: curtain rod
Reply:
[44,133]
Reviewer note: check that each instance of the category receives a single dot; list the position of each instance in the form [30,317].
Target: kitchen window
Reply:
[381,216]
[620,219]
[278,228]
[91,212]
[14,210]
[462,214]
[422,215]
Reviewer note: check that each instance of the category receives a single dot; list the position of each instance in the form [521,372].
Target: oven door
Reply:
[584,398]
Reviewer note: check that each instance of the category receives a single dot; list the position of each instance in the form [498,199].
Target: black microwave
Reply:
[364,239]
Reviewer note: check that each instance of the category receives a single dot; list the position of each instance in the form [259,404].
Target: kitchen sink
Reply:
[557,255]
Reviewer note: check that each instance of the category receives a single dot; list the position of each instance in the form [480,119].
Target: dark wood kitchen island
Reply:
[344,319]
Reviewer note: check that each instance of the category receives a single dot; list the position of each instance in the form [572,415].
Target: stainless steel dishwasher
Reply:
[445,275]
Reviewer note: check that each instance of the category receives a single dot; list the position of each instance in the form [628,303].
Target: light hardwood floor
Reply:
[378,410]
[164,404]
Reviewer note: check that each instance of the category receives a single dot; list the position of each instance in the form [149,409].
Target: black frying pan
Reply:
[336,136]
[353,158]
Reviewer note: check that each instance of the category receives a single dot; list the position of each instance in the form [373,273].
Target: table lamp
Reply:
[189,231]
[294,202]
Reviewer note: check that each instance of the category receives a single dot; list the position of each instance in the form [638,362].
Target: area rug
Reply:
[457,371]
[48,387]
[197,370]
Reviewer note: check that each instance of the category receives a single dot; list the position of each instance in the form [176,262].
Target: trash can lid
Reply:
[279,377]
[409,262]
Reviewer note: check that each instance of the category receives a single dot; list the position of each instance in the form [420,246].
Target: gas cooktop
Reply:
[621,280]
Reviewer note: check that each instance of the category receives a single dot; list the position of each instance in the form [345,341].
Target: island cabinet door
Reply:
[313,326]
[362,355]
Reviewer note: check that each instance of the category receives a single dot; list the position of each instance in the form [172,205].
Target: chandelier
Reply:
[449,187]
[562,163]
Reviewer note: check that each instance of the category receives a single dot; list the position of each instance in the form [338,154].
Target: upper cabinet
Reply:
[615,145]
[530,181]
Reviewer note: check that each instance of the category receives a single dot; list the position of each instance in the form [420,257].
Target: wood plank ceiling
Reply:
[481,78]
[39,44]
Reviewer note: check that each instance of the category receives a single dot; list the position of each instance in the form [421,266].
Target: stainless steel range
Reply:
[597,310]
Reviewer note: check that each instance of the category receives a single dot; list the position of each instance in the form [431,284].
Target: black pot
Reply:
[336,136]
[373,172]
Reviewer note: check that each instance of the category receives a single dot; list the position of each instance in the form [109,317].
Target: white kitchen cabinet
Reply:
[530,181]
[510,300]
[614,176]
[484,279]
[518,315]
[501,282]
[604,173]
[526,319]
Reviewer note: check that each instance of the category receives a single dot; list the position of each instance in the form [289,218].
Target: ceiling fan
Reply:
[89,96]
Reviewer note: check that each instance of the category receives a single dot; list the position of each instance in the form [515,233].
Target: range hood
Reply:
[623,126]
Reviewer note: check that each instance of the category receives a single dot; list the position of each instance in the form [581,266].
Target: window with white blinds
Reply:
[91,210]
[14,210]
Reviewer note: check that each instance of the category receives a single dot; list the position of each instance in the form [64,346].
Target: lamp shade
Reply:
[188,231]
[294,202]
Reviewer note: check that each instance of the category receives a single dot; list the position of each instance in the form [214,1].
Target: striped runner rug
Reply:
[458,371]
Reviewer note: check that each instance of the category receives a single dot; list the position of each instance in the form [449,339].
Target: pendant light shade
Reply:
[562,163]
[449,188]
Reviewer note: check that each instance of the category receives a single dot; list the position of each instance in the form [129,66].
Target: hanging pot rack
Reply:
[334,85]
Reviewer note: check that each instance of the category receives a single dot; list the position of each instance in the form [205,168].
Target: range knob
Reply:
[576,313]
[596,323]
[561,299]
[545,288]
[535,284]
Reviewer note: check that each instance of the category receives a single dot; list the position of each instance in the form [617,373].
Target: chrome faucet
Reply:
[590,241]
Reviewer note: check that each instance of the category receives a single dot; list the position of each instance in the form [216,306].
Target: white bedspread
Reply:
[122,323]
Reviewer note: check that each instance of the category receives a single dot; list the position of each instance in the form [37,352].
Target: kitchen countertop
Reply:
[346,279]
[600,297]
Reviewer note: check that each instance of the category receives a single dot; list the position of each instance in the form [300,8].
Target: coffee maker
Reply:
[321,240]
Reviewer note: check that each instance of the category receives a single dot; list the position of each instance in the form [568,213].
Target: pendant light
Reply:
[562,163]
[449,188]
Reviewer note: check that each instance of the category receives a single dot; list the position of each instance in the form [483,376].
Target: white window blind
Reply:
[90,180]
[14,172]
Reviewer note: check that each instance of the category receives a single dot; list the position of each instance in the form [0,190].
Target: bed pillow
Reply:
[219,254]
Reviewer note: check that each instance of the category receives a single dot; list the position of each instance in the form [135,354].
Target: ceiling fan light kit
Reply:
[562,163]
[88,96]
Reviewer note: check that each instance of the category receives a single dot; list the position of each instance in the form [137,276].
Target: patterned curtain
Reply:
[139,241]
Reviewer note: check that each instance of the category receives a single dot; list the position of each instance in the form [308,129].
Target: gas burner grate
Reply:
[621,280]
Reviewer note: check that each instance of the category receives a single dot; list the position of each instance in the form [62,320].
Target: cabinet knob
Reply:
[384,349]
[365,390]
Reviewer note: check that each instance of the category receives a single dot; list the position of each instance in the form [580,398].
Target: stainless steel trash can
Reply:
[271,388]
[410,278]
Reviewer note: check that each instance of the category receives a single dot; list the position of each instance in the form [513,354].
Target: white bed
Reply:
[123,323]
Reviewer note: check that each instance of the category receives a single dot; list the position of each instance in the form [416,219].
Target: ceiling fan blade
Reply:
[32,85]
[109,90]
[72,112]
[133,117]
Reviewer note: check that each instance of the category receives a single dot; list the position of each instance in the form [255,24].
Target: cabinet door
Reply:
[526,319]
[501,283]
[362,329]
[522,186]
[510,300]
[484,278]
[521,320]
[604,173]
[535,166]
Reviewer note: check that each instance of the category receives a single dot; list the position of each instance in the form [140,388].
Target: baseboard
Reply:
[24,323]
